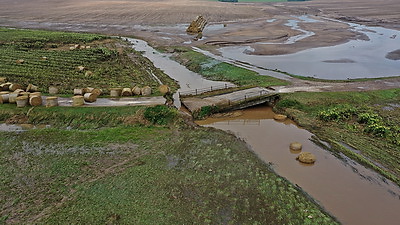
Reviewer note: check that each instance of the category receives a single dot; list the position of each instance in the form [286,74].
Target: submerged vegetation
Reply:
[366,121]
[47,58]
[215,70]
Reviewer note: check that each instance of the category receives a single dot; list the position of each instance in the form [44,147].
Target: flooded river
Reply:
[354,59]
[349,191]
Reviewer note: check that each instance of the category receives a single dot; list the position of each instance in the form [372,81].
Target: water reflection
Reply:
[351,192]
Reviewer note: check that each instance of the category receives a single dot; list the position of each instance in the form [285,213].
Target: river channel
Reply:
[349,191]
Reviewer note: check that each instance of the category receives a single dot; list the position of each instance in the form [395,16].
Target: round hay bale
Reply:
[44,58]
[146,91]
[115,92]
[23,93]
[164,89]
[22,101]
[35,94]
[4,97]
[295,147]
[78,100]
[1,100]
[51,101]
[35,100]
[136,90]
[72,48]
[12,97]
[96,91]
[3,79]
[80,68]
[53,90]
[280,117]
[79,91]
[19,91]
[20,61]
[88,47]
[88,89]
[5,87]
[306,157]
[77,46]
[14,87]
[88,73]
[89,97]
[32,88]
[126,92]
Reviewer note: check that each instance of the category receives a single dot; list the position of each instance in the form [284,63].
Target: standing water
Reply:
[351,192]
[187,79]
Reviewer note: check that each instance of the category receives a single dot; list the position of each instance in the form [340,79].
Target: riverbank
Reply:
[361,125]
[125,165]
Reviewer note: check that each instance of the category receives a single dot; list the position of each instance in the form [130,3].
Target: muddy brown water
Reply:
[346,189]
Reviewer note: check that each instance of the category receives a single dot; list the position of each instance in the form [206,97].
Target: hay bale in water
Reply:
[96,91]
[53,90]
[136,90]
[115,92]
[79,91]
[146,91]
[164,89]
[3,79]
[14,87]
[22,101]
[32,88]
[306,157]
[35,100]
[78,100]
[20,61]
[12,97]
[280,117]
[51,101]
[89,97]
[126,92]
[295,146]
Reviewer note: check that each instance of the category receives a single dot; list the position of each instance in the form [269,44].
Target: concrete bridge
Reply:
[232,100]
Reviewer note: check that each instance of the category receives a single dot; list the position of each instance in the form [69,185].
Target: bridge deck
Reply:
[226,100]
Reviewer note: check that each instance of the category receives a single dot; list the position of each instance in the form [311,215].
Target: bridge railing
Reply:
[204,90]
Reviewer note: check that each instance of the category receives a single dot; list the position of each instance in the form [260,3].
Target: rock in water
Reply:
[306,157]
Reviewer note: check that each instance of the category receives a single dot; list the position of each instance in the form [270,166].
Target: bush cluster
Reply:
[160,115]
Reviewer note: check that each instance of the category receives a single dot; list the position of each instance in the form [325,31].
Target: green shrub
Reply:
[160,114]
[369,118]
[337,113]
[205,111]
[379,130]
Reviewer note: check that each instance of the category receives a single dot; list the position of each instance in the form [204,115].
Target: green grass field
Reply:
[106,62]
[131,171]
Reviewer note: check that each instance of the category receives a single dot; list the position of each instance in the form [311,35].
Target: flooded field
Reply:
[362,58]
[352,193]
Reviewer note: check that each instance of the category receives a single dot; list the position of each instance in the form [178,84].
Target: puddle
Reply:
[368,58]
[348,190]
[20,127]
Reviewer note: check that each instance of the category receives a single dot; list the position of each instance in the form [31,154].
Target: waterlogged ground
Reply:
[143,175]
